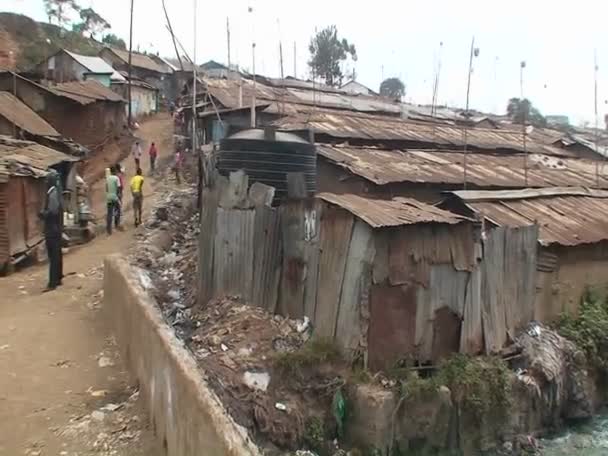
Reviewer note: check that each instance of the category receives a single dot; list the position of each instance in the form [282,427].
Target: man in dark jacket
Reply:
[52,215]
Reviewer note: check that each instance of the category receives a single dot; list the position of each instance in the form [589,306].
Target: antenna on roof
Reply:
[436,88]
[228,40]
[295,67]
[474,53]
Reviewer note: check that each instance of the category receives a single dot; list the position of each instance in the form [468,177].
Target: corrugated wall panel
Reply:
[4,238]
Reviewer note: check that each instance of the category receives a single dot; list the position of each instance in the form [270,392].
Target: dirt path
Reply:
[59,365]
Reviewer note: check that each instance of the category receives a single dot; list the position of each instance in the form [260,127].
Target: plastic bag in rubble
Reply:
[339,410]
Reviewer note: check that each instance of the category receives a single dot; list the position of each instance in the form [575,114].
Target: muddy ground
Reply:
[64,389]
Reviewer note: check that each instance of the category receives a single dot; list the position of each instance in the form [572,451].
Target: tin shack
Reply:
[23,167]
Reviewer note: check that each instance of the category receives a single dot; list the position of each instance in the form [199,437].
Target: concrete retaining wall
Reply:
[186,415]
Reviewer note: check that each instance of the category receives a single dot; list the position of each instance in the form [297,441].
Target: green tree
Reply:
[92,22]
[112,40]
[328,53]
[393,88]
[59,10]
[522,110]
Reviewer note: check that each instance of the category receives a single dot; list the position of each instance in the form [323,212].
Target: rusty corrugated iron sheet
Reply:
[226,91]
[347,125]
[382,167]
[13,110]
[564,219]
[140,61]
[396,212]
[85,92]
[27,158]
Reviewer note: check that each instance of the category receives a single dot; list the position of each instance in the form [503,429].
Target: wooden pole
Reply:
[228,40]
[130,118]
[523,123]
[194,76]
[179,59]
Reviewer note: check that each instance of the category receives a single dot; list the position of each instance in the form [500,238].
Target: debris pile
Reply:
[111,429]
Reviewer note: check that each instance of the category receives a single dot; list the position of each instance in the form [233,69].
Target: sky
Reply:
[558,40]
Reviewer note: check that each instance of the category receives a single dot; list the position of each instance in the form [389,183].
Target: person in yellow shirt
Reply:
[137,184]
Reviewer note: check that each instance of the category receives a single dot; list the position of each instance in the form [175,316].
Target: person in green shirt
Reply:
[112,200]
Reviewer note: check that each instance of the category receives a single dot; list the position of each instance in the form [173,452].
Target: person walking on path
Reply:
[136,151]
[137,184]
[179,158]
[112,201]
[121,192]
[153,153]
[51,216]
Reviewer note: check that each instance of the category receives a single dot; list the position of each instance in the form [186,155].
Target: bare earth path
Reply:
[63,387]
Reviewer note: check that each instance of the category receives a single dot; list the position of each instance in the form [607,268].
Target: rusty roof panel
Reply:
[396,212]
[23,117]
[226,91]
[563,219]
[26,158]
[382,167]
[140,61]
[342,124]
[85,92]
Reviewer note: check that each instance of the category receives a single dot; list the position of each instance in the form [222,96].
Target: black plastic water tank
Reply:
[267,156]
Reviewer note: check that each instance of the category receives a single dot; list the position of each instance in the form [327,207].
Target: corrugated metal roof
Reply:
[95,65]
[396,212]
[29,158]
[21,115]
[348,125]
[85,92]
[226,91]
[383,167]
[564,219]
[140,61]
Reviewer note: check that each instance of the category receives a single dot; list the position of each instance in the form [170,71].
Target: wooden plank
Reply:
[233,259]
[520,277]
[206,243]
[312,218]
[424,324]
[359,258]
[381,268]
[492,310]
[233,194]
[392,324]
[293,272]
[266,258]
[261,194]
[335,234]
[471,340]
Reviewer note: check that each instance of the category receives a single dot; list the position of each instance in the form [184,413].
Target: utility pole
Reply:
[474,53]
[522,65]
[253,98]
[597,162]
[228,39]
[179,59]
[129,119]
[194,138]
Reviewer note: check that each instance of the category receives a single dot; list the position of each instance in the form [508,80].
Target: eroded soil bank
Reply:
[295,395]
